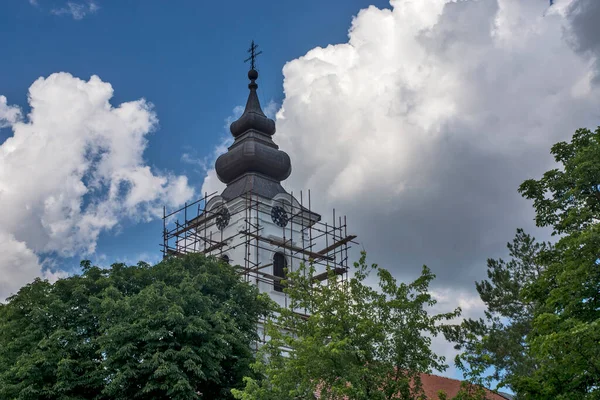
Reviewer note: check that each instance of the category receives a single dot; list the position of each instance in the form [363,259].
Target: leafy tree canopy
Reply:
[565,338]
[182,329]
[359,341]
[541,332]
[495,347]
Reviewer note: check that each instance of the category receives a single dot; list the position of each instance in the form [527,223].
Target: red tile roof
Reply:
[432,384]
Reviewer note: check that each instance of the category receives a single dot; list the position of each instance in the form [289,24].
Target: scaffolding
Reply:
[222,229]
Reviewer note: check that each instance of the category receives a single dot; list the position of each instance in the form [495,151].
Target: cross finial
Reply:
[253,55]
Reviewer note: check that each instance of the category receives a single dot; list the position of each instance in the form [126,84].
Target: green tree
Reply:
[494,348]
[359,341]
[182,329]
[541,334]
[565,336]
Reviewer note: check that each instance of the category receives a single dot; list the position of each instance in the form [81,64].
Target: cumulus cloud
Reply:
[76,10]
[8,114]
[583,29]
[423,124]
[73,169]
[448,298]
[25,265]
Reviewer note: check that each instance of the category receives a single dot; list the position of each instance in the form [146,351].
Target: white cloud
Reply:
[8,114]
[25,264]
[212,183]
[73,169]
[206,164]
[422,126]
[271,109]
[76,10]
[448,299]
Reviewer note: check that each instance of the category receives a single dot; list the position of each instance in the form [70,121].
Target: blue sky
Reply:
[185,58]
[416,119]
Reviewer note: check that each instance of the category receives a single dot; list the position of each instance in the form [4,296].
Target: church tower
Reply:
[254,223]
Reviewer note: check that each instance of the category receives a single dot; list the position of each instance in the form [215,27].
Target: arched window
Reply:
[279,266]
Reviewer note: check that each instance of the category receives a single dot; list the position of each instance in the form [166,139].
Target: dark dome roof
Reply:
[253,152]
[253,116]
[253,156]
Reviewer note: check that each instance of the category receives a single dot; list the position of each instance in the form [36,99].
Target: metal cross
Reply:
[253,55]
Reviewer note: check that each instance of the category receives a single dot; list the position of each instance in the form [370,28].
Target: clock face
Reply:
[223,218]
[279,216]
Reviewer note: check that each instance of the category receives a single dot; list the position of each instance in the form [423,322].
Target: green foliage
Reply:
[565,337]
[180,330]
[470,391]
[541,334]
[467,391]
[495,347]
[568,199]
[360,342]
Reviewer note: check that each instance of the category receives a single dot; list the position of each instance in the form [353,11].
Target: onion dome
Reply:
[253,162]
[253,116]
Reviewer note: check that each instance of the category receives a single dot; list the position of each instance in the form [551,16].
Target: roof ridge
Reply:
[444,377]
